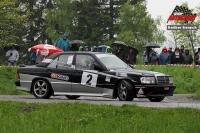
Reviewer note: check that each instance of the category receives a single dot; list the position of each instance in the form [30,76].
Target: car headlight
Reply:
[170,80]
[147,80]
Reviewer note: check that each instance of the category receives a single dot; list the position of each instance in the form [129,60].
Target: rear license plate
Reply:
[166,88]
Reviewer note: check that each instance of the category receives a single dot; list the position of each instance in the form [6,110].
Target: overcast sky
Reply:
[164,8]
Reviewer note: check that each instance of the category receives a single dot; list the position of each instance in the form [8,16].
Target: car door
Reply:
[86,79]
[60,71]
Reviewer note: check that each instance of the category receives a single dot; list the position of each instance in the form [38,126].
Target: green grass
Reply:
[7,81]
[186,79]
[88,118]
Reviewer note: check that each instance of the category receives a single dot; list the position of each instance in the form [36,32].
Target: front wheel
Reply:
[125,91]
[156,99]
[41,89]
[72,97]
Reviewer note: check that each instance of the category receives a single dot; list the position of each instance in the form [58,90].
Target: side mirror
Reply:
[97,66]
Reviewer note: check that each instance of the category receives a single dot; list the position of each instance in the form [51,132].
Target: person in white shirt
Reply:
[13,56]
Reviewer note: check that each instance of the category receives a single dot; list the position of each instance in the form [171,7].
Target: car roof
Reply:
[42,64]
[73,52]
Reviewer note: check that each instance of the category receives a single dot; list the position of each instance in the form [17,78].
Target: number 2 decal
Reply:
[89,79]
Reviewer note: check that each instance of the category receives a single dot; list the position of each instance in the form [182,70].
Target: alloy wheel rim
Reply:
[122,91]
[40,88]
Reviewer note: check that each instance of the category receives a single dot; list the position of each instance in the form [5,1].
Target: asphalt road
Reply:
[178,100]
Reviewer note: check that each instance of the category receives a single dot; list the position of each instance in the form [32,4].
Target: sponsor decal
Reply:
[108,78]
[58,76]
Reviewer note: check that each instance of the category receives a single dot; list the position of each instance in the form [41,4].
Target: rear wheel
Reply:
[156,99]
[72,97]
[125,91]
[41,89]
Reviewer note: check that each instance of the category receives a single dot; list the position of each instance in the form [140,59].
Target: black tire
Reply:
[125,91]
[72,97]
[41,89]
[156,99]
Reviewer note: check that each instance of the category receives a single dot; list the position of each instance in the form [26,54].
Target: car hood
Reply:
[138,72]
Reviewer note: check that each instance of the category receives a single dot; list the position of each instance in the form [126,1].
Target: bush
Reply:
[7,82]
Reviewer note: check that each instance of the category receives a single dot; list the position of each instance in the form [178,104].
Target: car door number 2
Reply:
[89,79]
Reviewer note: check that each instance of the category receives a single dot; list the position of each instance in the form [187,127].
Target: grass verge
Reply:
[186,79]
[88,118]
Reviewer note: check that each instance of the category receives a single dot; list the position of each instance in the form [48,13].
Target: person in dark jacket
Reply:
[182,49]
[120,53]
[147,55]
[131,57]
[196,53]
[197,58]
[176,57]
[86,48]
[187,58]
[94,49]
[153,59]
[164,57]
[170,54]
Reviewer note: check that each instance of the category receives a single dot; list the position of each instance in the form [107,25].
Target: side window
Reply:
[63,61]
[84,62]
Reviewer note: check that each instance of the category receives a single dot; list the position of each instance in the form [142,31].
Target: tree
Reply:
[158,34]
[135,19]
[60,19]
[10,22]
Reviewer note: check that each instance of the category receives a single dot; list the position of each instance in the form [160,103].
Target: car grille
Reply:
[162,79]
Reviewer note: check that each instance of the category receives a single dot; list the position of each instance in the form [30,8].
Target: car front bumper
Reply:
[155,90]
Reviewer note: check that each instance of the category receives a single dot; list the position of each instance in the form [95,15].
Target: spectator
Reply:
[39,57]
[197,58]
[187,58]
[46,56]
[13,56]
[63,43]
[147,55]
[131,57]
[182,50]
[120,53]
[164,57]
[170,54]
[94,49]
[99,49]
[86,48]
[108,49]
[80,48]
[176,57]
[154,59]
[196,53]
[33,58]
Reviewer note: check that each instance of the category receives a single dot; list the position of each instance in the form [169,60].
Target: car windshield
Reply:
[112,62]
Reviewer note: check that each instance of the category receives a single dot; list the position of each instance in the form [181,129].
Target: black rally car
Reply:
[75,74]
